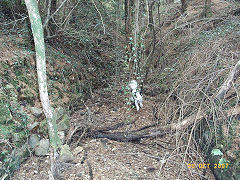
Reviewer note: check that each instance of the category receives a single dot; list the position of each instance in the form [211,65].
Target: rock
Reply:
[37,112]
[65,154]
[9,86]
[64,124]
[78,150]
[21,154]
[82,113]
[42,148]
[61,135]
[115,109]
[33,140]
[59,112]
[33,125]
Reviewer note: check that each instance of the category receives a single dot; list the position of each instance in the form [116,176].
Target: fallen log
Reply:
[136,136]
[233,75]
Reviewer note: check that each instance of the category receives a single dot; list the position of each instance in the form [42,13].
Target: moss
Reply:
[5,114]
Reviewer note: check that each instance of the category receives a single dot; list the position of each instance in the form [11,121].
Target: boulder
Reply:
[33,140]
[37,112]
[42,148]
[65,154]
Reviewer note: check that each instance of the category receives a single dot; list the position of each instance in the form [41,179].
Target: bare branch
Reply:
[48,18]
[233,75]
[15,21]
[100,17]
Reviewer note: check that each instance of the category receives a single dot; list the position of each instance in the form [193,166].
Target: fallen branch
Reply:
[133,136]
[178,126]
[118,136]
[233,75]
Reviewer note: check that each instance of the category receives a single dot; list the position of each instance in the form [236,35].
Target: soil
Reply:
[157,158]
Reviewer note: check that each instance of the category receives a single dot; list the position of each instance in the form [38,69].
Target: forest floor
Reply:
[156,158]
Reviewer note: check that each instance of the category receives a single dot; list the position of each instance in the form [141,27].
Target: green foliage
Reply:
[13,122]
[5,113]
[219,31]
[216,152]
[135,56]
[12,160]
[43,128]
[223,161]
[126,91]
[219,143]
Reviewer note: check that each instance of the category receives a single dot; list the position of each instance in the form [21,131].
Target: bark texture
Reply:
[37,30]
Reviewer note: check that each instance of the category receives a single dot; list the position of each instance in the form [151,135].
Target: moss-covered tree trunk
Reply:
[37,30]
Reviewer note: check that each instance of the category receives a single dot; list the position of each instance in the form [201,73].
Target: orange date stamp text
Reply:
[207,166]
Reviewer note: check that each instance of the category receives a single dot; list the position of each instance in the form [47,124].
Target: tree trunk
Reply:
[129,13]
[232,77]
[137,58]
[149,60]
[152,28]
[52,24]
[184,6]
[37,31]
[207,8]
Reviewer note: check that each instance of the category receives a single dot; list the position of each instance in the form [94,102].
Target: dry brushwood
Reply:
[136,136]
[233,75]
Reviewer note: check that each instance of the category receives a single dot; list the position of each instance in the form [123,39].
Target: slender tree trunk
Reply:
[37,30]
[232,77]
[52,24]
[136,30]
[184,6]
[118,24]
[129,7]
[207,8]
[149,61]
[160,53]
[152,28]
[136,41]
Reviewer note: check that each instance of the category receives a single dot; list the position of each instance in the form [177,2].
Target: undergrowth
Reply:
[14,132]
[198,59]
